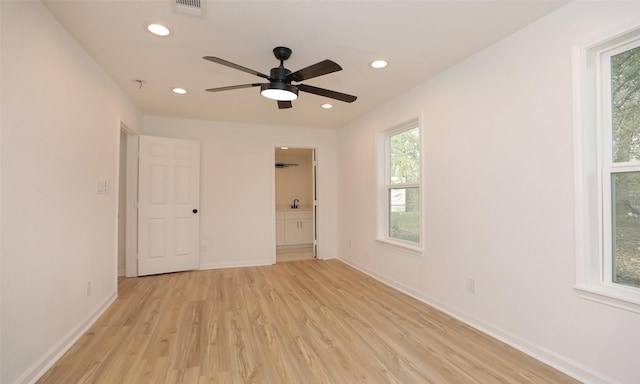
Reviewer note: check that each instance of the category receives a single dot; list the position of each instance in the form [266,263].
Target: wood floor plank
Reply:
[296,322]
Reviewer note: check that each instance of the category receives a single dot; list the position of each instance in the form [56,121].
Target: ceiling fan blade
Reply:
[327,93]
[235,66]
[233,87]
[284,104]
[315,70]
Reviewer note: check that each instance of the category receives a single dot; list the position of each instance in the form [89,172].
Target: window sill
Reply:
[618,297]
[402,246]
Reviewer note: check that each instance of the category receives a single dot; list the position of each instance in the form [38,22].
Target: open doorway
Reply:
[296,203]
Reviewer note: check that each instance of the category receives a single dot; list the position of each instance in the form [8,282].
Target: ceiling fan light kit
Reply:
[279,87]
[279,91]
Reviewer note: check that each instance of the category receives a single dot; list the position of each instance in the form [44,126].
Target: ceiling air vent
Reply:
[190,7]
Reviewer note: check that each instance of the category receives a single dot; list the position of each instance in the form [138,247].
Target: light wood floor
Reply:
[294,254]
[298,322]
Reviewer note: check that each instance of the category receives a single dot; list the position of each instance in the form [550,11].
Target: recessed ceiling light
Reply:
[327,106]
[179,91]
[284,147]
[379,64]
[158,29]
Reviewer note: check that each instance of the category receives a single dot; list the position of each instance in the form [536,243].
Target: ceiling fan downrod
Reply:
[280,73]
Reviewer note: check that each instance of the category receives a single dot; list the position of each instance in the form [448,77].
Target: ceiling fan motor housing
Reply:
[279,73]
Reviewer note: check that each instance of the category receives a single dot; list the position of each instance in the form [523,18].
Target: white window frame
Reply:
[384,186]
[594,167]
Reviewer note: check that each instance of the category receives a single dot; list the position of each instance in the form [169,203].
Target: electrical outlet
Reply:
[88,288]
[471,286]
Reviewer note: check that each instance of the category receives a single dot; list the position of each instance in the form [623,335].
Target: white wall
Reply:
[498,198]
[1,166]
[237,199]
[61,119]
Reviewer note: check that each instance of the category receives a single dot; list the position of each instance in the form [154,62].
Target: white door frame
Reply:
[131,256]
[316,183]
[314,194]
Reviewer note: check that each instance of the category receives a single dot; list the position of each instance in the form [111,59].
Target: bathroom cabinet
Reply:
[294,227]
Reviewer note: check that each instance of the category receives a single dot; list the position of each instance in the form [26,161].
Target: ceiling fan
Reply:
[279,87]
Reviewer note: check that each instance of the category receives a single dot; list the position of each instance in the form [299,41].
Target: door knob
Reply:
[195,211]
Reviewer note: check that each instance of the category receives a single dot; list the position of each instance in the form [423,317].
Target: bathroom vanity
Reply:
[294,227]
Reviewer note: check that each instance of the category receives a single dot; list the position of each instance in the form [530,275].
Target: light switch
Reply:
[102,187]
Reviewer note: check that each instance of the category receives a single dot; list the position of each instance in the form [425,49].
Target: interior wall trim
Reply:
[555,360]
[42,365]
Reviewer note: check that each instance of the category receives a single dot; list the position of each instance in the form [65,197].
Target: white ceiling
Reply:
[418,38]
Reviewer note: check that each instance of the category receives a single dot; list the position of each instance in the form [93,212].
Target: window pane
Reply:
[405,157]
[625,105]
[404,214]
[626,228]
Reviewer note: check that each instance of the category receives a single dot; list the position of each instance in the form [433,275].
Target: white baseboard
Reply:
[43,364]
[561,363]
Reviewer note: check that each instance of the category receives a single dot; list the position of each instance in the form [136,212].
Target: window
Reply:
[608,185]
[621,167]
[399,196]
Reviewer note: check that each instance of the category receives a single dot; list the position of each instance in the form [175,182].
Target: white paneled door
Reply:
[168,204]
